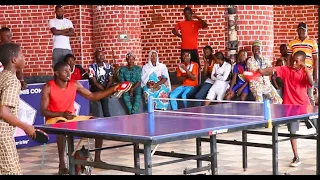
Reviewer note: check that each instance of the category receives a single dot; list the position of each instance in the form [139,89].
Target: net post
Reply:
[151,124]
[267,112]
[150,105]
[151,115]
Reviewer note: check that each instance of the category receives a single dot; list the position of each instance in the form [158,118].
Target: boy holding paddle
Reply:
[12,59]
[57,104]
[296,80]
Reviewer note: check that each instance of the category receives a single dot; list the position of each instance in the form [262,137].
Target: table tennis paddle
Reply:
[41,137]
[122,88]
[251,75]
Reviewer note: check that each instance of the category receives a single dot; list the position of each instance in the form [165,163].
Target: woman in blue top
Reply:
[239,86]
[156,81]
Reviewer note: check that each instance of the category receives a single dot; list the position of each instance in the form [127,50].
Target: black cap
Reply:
[302,25]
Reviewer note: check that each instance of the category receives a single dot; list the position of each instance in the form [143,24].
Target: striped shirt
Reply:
[309,46]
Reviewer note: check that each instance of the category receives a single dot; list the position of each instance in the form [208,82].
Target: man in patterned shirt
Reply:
[261,87]
[101,76]
[12,59]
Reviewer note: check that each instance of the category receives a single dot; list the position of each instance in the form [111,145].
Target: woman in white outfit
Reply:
[221,77]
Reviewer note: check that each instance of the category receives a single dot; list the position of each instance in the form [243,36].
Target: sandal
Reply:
[64,171]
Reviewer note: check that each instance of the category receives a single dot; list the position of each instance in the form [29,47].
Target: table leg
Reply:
[213,158]
[275,168]
[147,159]
[136,157]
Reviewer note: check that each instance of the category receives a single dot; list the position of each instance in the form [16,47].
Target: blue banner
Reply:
[29,111]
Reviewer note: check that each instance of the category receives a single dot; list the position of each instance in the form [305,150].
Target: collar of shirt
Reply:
[297,38]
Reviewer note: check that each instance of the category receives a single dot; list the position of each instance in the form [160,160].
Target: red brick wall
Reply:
[256,22]
[30,28]
[108,23]
[286,20]
[29,25]
[100,29]
[159,36]
[81,16]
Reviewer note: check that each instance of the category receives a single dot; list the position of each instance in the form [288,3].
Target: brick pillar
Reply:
[108,23]
[256,22]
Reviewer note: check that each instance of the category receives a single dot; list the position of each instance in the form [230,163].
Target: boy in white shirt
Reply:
[61,29]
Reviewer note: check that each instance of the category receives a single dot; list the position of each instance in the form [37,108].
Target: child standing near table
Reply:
[12,59]
[296,80]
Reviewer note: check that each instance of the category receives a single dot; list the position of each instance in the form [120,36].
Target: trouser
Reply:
[310,93]
[180,91]
[59,54]
[134,105]
[100,108]
[200,92]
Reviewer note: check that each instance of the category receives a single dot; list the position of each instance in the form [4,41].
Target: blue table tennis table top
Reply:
[165,125]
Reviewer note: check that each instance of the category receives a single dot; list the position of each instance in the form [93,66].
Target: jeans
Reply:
[202,93]
[180,91]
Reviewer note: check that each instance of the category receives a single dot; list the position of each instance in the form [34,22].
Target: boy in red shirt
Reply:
[296,80]
[189,33]
[57,103]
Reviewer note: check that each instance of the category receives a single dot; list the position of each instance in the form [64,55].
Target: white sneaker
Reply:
[295,162]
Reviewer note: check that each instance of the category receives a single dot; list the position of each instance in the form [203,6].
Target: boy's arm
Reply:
[309,77]
[179,75]
[226,74]
[202,22]
[96,95]
[21,79]
[9,99]
[315,61]
[7,116]
[213,74]
[275,82]
[315,67]
[267,71]
[233,80]
[176,29]
[190,74]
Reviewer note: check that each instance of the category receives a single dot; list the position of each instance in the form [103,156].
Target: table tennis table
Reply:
[150,129]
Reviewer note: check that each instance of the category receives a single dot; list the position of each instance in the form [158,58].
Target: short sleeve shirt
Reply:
[10,89]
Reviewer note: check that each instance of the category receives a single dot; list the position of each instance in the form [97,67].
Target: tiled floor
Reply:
[229,157]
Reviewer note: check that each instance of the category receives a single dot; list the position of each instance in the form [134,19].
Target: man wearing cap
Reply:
[304,43]
[262,86]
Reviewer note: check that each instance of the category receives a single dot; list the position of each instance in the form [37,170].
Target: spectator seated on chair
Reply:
[155,81]
[77,71]
[221,77]
[101,76]
[187,72]
[200,92]
[239,86]
[131,73]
